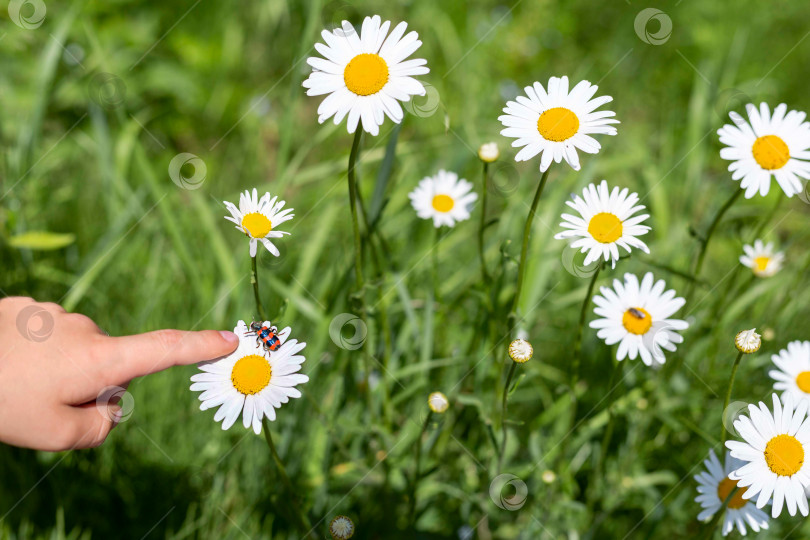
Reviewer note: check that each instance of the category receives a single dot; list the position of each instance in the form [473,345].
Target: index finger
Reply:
[134,356]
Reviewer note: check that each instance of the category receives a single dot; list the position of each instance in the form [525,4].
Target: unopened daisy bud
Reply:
[748,341]
[520,351]
[488,152]
[548,476]
[438,402]
[341,528]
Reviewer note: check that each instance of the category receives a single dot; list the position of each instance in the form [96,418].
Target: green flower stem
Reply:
[302,522]
[711,527]
[482,224]
[504,404]
[704,242]
[358,256]
[416,470]
[435,267]
[728,395]
[600,463]
[583,314]
[254,280]
[527,229]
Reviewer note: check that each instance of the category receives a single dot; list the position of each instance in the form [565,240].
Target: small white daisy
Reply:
[521,351]
[714,486]
[444,198]
[761,259]
[365,75]
[775,448]
[438,402]
[793,375]
[557,122]
[250,380]
[605,223]
[637,317]
[341,528]
[257,217]
[766,146]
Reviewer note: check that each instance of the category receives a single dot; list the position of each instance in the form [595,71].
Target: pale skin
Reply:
[55,367]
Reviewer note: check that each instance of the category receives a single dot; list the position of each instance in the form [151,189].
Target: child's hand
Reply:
[54,365]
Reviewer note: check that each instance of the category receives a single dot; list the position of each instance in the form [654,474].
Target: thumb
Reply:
[141,354]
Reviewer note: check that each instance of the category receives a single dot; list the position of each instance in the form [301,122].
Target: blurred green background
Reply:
[100,97]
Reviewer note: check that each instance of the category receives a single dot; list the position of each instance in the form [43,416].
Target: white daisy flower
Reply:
[766,146]
[257,217]
[714,486]
[366,75]
[557,122]
[775,447]
[444,198]
[637,317]
[793,373]
[250,380]
[761,259]
[605,223]
[341,528]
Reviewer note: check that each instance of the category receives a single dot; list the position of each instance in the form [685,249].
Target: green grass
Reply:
[224,83]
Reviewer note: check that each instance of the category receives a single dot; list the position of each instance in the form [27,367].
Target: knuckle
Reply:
[82,320]
[167,340]
[66,435]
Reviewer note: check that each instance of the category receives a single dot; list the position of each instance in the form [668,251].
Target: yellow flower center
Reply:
[803,381]
[251,374]
[725,487]
[770,152]
[256,224]
[605,228]
[637,320]
[443,203]
[784,455]
[366,74]
[558,124]
[761,264]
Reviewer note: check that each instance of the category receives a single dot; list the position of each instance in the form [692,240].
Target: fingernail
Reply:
[230,337]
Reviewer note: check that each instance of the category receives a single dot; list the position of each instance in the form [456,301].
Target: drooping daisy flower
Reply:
[555,123]
[766,146]
[341,528]
[438,402]
[520,351]
[793,375]
[605,223]
[775,448]
[257,217]
[714,487]
[637,317]
[366,75]
[250,380]
[761,259]
[748,341]
[444,198]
